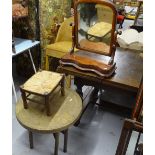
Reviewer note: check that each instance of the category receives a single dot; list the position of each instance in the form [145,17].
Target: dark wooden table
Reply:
[127,77]
[128,73]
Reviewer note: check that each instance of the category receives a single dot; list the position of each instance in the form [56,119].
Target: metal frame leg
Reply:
[32,61]
[14,90]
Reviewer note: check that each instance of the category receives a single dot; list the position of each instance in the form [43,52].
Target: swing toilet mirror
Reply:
[95,22]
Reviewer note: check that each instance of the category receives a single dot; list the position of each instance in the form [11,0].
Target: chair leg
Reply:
[56,136]
[65,140]
[31,139]
[47,63]
[68,81]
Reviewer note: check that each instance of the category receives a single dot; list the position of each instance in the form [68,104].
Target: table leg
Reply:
[56,136]
[14,91]
[79,85]
[65,140]
[31,139]
[79,91]
[32,61]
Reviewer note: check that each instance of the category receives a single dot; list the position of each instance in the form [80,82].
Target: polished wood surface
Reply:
[88,63]
[137,112]
[127,75]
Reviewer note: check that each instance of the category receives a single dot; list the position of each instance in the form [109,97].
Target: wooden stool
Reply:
[43,83]
[65,111]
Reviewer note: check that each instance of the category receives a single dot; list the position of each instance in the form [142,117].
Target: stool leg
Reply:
[23,94]
[65,140]
[47,105]
[31,139]
[56,136]
[63,86]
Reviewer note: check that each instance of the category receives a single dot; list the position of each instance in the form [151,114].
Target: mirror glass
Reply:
[94,27]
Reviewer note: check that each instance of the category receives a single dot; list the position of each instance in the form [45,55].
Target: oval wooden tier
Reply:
[65,111]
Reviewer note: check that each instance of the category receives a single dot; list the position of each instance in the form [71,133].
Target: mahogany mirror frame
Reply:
[113,35]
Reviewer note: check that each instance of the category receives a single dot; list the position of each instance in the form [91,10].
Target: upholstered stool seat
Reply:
[43,84]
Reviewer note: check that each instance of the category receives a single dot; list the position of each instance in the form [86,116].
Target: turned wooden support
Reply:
[73,38]
[23,94]
[31,139]
[47,104]
[65,132]
[63,86]
[56,136]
